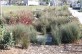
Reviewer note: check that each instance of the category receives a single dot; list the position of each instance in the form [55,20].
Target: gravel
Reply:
[45,49]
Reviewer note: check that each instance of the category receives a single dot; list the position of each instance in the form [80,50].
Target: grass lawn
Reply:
[6,9]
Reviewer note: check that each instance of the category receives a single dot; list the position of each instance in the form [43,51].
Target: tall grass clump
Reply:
[70,32]
[22,34]
[55,31]
[59,15]
[65,33]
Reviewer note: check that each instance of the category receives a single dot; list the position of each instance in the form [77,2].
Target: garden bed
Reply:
[46,49]
[50,31]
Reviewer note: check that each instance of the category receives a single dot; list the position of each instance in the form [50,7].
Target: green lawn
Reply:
[6,9]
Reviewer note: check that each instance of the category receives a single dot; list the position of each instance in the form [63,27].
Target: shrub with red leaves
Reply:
[24,17]
[25,21]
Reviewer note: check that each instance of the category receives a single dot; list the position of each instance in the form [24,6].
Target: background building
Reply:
[55,2]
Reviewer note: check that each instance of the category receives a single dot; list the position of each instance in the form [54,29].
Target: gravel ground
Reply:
[46,49]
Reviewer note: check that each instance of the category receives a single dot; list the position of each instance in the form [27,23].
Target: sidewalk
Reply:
[77,14]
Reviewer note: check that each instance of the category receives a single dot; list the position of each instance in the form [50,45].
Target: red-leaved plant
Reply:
[24,17]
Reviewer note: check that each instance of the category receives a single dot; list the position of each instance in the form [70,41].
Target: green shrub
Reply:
[45,23]
[32,34]
[55,31]
[65,33]
[6,40]
[18,35]
[25,42]
[22,34]
[59,15]
[70,32]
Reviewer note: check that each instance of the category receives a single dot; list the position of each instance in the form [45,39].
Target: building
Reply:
[3,2]
[31,2]
[55,2]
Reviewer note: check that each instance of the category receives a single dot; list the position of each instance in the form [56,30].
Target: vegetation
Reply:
[22,27]
[23,34]
[7,9]
[53,20]
[70,32]
[24,17]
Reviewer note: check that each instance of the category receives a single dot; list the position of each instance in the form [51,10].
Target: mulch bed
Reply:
[75,48]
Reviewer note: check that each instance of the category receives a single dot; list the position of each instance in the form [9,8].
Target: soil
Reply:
[75,48]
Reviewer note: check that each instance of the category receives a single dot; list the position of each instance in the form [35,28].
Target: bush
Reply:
[56,25]
[45,23]
[70,32]
[55,31]
[57,15]
[25,42]
[6,40]
[22,34]
[24,17]
[65,33]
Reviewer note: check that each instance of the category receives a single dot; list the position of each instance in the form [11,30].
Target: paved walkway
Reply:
[77,14]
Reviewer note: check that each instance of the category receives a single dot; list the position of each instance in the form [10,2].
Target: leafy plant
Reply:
[6,40]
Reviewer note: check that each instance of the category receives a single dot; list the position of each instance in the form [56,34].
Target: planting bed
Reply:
[29,32]
[74,48]
[46,49]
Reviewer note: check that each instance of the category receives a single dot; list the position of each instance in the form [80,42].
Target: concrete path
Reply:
[77,14]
